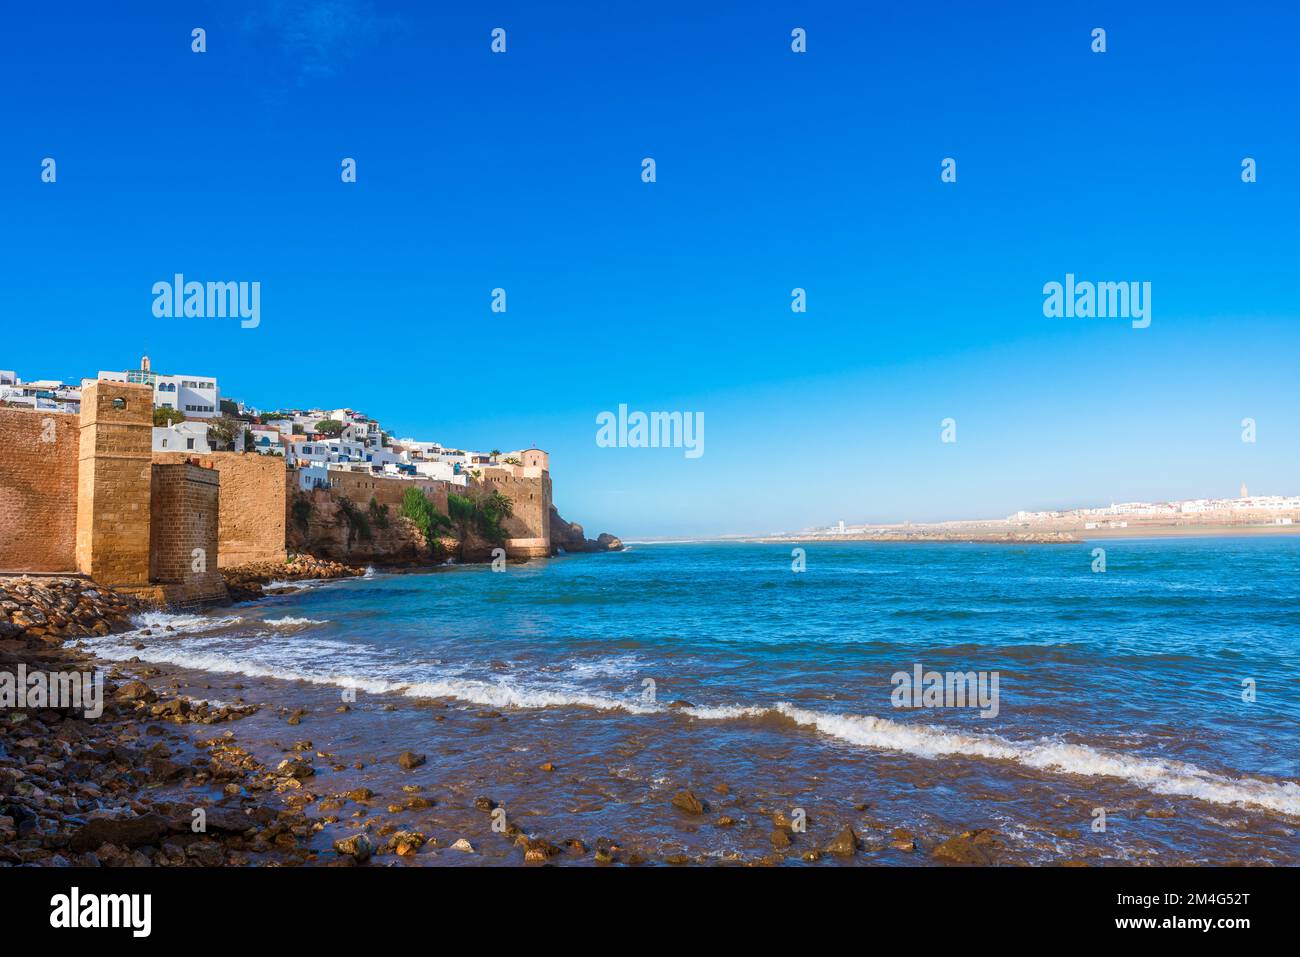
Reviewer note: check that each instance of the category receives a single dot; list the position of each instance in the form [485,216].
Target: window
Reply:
[189,443]
[119,403]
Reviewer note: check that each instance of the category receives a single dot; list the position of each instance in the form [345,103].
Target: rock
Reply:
[227,820]
[536,849]
[548,766]
[845,843]
[360,794]
[124,832]
[688,802]
[970,847]
[780,838]
[409,759]
[136,691]
[206,854]
[357,847]
[295,718]
[295,769]
[463,845]
[485,804]
[405,843]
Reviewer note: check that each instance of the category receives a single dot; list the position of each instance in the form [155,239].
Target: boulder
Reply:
[970,847]
[123,832]
[688,802]
[409,759]
[845,843]
[357,847]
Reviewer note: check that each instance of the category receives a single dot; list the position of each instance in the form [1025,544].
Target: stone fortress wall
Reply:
[89,495]
[38,490]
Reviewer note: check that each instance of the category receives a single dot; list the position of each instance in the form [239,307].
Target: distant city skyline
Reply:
[775,171]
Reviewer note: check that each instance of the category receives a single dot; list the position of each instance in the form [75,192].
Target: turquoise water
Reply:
[1121,689]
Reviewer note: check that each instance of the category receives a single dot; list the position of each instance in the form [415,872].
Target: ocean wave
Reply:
[1158,775]
[181,624]
[1155,774]
[300,584]
[502,695]
[289,620]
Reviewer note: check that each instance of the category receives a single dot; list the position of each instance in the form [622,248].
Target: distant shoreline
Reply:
[1001,537]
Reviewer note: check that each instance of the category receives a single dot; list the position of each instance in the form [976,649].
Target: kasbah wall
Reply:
[252,518]
[90,496]
[83,496]
[38,490]
[527,530]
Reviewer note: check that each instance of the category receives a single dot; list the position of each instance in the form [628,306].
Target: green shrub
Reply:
[302,509]
[378,513]
[417,507]
[356,519]
[481,512]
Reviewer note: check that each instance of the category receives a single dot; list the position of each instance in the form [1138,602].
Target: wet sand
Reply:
[591,787]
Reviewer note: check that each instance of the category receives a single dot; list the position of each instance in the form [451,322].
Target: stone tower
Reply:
[113,483]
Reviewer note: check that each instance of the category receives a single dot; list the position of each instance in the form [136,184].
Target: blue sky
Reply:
[775,170]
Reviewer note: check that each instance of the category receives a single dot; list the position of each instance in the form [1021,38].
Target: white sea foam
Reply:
[502,695]
[301,584]
[335,663]
[1155,774]
[289,620]
[159,621]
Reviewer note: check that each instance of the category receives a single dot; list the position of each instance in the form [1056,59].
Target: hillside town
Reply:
[1246,514]
[190,415]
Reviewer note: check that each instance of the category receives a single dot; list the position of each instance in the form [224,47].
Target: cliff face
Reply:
[570,537]
[318,524]
[329,533]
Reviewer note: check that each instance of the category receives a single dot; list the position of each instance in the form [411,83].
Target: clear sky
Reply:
[775,170]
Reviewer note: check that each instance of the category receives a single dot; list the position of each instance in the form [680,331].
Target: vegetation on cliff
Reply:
[302,509]
[417,507]
[357,520]
[481,512]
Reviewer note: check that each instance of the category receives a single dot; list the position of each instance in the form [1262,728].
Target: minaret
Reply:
[1244,493]
[144,363]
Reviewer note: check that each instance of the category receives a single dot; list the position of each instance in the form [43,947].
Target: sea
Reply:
[1147,713]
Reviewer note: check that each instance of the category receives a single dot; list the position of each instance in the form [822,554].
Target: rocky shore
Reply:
[56,608]
[125,787]
[570,537]
[249,582]
[169,776]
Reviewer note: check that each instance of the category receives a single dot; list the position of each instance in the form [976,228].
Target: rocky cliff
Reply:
[570,537]
[325,528]
[320,524]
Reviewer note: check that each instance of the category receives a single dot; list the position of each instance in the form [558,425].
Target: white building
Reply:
[53,395]
[313,476]
[266,441]
[182,437]
[196,396]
